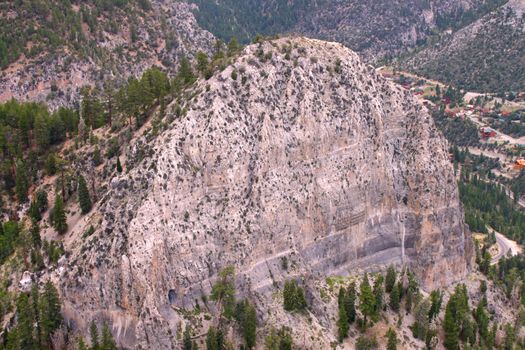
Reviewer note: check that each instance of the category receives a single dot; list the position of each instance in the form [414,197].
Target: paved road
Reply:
[503,246]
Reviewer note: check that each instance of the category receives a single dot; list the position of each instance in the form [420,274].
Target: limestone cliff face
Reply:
[297,150]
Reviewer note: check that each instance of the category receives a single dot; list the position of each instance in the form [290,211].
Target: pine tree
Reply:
[342,324]
[450,326]
[394,299]
[300,299]
[119,166]
[24,328]
[293,296]
[288,296]
[97,159]
[392,339]
[107,342]
[211,340]
[462,307]
[21,181]
[35,308]
[41,131]
[219,47]
[34,212]
[51,164]
[185,74]
[510,337]
[349,303]
[41,200]
[233,47]
[249,326]
[83,195]
[50,314]
[220,338]
[412,292]
[93,332]
[279,340]
[223,291]
[491,341]
[421,322]
[58,216]
[366,300]
[436,298]
[482,320]
[186,339]
[378,294]
[202,62]
[341,296]
[390,280]
[81,344]
[37,260]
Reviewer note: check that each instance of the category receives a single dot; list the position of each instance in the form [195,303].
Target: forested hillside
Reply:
[34,27]
[54,169]
[245,19]
[485,56]
[50,49]
[377,29]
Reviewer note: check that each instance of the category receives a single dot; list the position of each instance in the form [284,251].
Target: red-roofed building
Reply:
[487,132]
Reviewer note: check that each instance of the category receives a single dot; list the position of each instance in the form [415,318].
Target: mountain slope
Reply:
[298,151]
[486,56]
[374,29]
[49,49]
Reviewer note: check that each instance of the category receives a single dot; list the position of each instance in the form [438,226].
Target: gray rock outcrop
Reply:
[296,150]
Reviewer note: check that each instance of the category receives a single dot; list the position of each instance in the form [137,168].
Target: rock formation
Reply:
[296,150]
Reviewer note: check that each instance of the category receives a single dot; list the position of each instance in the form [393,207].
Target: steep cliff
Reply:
[296,150]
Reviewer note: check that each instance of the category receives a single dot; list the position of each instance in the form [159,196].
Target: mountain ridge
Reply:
[485,56]
[376,30]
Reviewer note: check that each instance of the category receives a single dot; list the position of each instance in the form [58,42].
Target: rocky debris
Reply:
[25,282]
[296,151]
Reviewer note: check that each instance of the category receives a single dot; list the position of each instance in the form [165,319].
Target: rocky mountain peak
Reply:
[296,152]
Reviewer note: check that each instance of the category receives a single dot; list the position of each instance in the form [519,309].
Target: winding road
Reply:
[505,246]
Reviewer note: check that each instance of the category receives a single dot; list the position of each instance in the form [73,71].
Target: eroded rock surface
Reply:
[297,150]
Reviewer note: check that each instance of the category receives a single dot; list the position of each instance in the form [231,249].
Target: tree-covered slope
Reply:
[50,48]
[376,28]
[488,55]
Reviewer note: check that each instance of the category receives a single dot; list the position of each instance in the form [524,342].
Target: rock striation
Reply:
[297,150]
